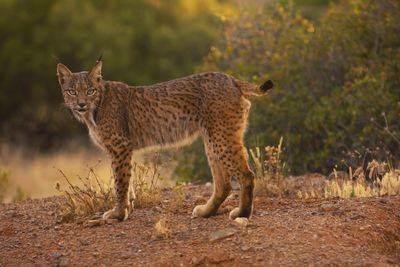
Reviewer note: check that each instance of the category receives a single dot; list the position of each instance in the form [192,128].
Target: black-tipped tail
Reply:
[266,86]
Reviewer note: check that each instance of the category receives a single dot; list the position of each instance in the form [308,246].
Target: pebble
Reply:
[93,223]
[242,221]
[63,263]
[329,207]
[245,248]
[11,213]
[55,255]
[221,234]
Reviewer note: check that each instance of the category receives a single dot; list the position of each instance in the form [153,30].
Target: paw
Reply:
[236,213]
[119,214]
[202,211]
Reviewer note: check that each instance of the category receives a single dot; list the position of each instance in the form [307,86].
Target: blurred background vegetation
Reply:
[335,65]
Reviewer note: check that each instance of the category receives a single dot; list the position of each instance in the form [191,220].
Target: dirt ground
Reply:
[282,232]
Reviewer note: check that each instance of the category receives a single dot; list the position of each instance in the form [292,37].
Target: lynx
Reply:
[122,118]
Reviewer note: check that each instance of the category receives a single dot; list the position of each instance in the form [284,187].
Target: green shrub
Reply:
[337,82]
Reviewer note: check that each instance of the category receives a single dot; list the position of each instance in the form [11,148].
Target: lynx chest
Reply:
[94,132]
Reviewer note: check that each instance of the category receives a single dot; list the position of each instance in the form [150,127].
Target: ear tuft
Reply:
[95,73]
[63,73]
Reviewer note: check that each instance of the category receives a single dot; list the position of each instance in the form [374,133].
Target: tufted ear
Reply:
[63,73]
[95,73]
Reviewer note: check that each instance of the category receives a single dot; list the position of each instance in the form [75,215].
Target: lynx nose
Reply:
[81,105]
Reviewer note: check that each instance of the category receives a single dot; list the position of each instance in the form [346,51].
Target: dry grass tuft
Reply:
[94,195]
[177,198]
[381,180]
[145,180]
[269,170]
[163,227]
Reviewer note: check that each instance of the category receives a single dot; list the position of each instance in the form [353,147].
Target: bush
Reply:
[141,41]
[337,82]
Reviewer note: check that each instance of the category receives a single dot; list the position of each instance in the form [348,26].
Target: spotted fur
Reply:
[122,118]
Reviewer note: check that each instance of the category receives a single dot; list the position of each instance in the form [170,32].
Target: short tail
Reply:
[249,89]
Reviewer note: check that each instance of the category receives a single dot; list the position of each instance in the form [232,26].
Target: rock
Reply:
[242,221]
[197,261]
[221,234]
[93,223]
[259,258]
[63,263]
[84,242]
[245,248]
[328,207]
[55,255]
[11,213]
[355,217]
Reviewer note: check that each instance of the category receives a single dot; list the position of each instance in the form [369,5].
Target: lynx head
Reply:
[82,91]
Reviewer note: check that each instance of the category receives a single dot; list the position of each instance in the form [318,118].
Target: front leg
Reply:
[121,165]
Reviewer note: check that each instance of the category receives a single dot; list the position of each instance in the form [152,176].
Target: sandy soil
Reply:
[282,232]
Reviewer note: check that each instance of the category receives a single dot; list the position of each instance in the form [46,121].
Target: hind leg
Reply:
[222,186]
[241,170]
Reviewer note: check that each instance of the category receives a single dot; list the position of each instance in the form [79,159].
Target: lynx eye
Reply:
[71,92]
[91,91]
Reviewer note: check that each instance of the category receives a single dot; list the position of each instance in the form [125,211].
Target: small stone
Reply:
[242,221]
[84,242]
[208,184]
[125,256]
[245,248]
[197,261]
[221,234]
[328,207]
[55,255]
[11,213]
[63,263]
[93,223]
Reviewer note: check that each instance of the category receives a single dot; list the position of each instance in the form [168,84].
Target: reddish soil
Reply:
[282,232]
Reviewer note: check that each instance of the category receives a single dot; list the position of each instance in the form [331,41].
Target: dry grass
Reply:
[145,182]
[176,199]
[35,174]
[91,197]
[165,227]
[381,180]
[4,183]
[270,170]
[94,196]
